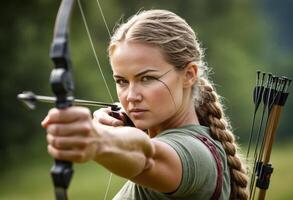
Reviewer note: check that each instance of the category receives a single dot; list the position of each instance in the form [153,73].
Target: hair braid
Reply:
[210,113]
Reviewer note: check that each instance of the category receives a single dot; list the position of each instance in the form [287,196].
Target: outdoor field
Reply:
[29,181]
[240,54]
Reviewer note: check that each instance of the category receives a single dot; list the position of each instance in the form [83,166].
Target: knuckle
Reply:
[54,141]
[53,152]
[98,113]
[85,112]
[50,139]
[53,112]
[87,128]
[82,144]
[54,129]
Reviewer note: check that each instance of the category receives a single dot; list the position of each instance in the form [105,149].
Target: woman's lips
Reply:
[137,112]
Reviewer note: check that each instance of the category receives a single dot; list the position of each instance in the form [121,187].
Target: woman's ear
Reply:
[190,74]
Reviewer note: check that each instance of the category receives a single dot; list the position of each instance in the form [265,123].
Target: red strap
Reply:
[215,153]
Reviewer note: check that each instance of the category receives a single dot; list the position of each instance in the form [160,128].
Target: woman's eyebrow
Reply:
[145,71]
[117,76]
[138,74]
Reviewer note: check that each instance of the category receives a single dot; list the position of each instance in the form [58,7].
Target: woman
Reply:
[181,146]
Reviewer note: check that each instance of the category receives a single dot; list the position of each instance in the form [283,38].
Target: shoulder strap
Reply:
[215,153]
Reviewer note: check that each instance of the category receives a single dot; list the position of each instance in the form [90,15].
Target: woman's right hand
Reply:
[105,116]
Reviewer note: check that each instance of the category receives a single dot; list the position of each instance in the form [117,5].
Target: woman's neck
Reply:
[184,116]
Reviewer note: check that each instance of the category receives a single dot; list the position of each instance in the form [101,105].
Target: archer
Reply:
[181,146]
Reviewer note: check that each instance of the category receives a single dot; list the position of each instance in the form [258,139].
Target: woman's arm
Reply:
[126,151]
[130,153]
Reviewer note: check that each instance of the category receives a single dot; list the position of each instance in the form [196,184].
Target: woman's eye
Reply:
[121,82]
[147,78]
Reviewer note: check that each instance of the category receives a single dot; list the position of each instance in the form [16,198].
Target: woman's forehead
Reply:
[130,56]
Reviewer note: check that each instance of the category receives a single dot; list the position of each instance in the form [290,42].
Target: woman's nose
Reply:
[134,93]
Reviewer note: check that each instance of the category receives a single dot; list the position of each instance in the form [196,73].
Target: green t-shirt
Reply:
[199,174]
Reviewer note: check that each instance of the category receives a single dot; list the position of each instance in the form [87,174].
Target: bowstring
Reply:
[104,19]
[93,48]
[109,33]
[98,63]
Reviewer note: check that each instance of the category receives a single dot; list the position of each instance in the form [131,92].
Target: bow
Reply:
[272,93]
[62,84]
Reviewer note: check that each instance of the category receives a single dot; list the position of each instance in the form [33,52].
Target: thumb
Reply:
[45,122]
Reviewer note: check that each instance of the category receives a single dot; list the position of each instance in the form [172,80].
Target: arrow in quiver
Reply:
[269,96]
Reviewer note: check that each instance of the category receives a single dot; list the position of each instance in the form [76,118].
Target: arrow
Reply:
[30,99]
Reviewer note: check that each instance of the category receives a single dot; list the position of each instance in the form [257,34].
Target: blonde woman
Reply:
[181,146]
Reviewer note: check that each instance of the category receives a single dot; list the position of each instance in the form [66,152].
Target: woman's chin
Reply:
[142,125]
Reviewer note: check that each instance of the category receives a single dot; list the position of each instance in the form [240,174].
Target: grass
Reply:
[30,180]
[280,186]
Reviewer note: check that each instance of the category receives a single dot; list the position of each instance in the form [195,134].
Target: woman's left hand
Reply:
[71,134]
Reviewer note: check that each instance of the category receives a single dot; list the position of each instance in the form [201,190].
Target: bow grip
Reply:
[61,173]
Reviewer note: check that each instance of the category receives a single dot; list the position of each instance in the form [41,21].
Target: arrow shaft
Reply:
[77,102]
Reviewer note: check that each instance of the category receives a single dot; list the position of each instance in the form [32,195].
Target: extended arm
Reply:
[126,151]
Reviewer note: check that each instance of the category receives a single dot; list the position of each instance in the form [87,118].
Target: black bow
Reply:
[62,85]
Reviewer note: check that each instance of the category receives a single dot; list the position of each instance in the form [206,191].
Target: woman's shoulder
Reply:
[186,129]
[189,134]
[185,137]
[197,161]
[184,133]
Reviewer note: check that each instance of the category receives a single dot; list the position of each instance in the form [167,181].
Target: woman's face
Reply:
[149,88]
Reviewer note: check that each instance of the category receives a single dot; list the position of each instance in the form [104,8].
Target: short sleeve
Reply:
[198,164]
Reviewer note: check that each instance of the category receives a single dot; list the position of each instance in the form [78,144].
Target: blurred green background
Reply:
[239,38]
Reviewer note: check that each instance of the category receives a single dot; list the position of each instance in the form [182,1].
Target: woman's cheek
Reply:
[161,101]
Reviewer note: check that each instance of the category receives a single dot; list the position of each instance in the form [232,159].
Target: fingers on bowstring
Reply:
[105,116]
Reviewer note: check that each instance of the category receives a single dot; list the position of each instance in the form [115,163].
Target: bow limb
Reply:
[62,85]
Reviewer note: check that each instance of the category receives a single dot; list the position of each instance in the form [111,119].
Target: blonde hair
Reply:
[179,45]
